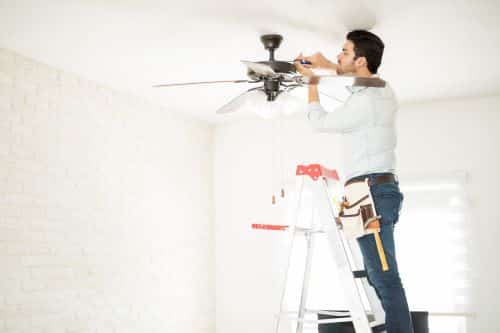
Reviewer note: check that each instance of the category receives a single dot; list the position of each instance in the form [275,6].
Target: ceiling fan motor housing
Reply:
[271,41]
[271,88]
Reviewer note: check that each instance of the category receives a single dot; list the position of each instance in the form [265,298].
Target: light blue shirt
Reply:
[366,123]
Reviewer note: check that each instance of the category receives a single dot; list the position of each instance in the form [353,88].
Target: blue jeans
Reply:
[387,199]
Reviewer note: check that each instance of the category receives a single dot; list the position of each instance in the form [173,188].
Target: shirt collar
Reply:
[353,89]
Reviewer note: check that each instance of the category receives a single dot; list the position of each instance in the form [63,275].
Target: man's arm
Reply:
[313,93]
[357,110]
[318,61]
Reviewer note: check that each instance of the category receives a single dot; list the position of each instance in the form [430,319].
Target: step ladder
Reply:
[346,254]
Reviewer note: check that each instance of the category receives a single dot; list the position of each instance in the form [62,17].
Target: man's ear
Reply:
[361,62]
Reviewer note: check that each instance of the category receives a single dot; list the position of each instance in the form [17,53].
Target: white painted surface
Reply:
[435,49]
[105,209]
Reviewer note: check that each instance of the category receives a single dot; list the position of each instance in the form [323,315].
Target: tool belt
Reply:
[358,216]
[384,178]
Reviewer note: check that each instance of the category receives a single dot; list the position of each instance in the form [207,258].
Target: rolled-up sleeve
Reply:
[356,111]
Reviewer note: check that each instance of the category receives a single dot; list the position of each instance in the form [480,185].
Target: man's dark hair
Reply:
[368,45]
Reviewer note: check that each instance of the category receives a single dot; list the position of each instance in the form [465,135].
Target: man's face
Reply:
[345,59]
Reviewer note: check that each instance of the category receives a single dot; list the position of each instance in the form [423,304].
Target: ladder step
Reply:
[342,322]
[328,324]
[378,328]
[308,230]
[359,274]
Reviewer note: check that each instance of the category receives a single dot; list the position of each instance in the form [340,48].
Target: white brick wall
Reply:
[105,209]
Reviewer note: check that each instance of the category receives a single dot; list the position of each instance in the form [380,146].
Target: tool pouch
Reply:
[358,216]
[352,224]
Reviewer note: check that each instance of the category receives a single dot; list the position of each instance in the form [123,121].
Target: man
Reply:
[366,122]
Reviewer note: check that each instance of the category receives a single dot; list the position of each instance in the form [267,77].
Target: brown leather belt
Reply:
[382,179]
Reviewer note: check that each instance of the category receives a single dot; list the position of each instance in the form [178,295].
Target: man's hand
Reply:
[318,60]
[303,69]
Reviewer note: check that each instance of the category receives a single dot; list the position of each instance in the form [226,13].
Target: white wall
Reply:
[105,209]
[434,138]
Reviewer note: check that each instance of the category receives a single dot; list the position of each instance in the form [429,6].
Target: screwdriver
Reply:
[302,61]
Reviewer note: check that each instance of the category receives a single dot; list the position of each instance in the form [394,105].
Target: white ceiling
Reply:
[434,49]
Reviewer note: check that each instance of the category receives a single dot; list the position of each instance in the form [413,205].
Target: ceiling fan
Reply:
[279,78]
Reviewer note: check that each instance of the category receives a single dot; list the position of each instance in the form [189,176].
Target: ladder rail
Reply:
[344,269]
[290,249]
[305,282]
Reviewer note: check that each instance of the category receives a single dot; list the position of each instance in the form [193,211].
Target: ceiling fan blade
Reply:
[258,68]
[242,100]
[200,82]
[291,87]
